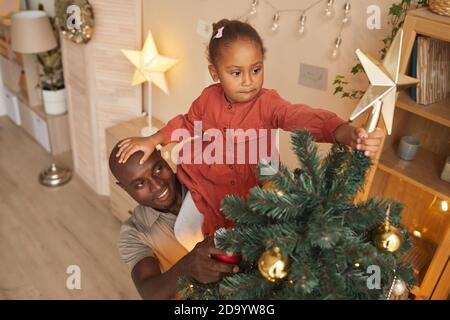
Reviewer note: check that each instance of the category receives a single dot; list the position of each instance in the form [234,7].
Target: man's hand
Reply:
[200,266]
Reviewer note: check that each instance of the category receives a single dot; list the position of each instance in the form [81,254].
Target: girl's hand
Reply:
[367,142]
[131,145]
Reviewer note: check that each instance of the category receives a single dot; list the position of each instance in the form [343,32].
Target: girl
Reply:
[239,101]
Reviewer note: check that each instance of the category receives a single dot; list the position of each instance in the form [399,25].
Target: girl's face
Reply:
[240,70]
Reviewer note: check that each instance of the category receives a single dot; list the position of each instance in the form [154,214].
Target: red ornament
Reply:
[233,259]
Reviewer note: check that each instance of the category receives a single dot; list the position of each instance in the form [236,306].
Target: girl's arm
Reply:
[292,117]
[184,123]
[325,125]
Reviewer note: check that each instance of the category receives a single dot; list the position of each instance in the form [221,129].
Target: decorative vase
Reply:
[54,101]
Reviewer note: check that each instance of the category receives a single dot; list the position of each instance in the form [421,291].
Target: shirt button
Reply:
[232,182]
[229,106]
[224,129]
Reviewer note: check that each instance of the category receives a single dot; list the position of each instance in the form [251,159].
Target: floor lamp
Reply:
[32,33]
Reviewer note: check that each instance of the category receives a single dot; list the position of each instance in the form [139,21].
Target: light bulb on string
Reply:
[329,11]
[275,22]
[301,31]
[335,51]
[347,16]
[444,206]
[254,7]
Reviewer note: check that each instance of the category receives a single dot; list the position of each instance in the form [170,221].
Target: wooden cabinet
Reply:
[417,183]
[121,204]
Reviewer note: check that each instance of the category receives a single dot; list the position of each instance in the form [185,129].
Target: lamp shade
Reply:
[31,32]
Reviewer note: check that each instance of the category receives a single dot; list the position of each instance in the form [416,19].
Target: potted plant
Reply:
[52,78]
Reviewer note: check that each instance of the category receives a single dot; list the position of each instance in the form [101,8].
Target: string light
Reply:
[254,7]
[302,26]
[335,51]
[275,24]
[329,12]
[434,206]
[277,15]
[347,17]
[444,206]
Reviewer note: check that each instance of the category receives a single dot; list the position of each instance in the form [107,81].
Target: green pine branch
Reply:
[311,217]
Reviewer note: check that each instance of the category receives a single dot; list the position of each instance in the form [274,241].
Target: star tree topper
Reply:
[384,80]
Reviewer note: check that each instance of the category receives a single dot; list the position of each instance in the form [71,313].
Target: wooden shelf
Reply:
[420,256]
[431,24]
[424,171]
[417,180]
[39,109]
[438,112]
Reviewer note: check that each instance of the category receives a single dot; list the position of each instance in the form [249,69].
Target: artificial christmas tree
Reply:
[303,237]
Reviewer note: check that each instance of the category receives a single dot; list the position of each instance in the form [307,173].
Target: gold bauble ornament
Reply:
[272,265]
[387,237]
[270,186]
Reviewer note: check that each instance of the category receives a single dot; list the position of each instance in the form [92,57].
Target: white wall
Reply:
[2,95]
[174,22]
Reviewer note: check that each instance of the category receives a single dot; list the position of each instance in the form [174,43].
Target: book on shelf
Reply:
[430,64]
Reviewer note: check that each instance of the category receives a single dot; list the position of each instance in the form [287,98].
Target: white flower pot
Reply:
[54,101]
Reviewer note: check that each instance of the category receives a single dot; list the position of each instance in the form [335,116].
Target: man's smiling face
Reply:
[152,184]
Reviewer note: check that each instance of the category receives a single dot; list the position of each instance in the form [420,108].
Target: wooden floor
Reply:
[45,230]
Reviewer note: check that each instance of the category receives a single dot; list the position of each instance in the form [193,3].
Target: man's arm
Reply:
[198,264]
[150,282]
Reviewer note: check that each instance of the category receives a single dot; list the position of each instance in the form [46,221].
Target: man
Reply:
[147,241]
